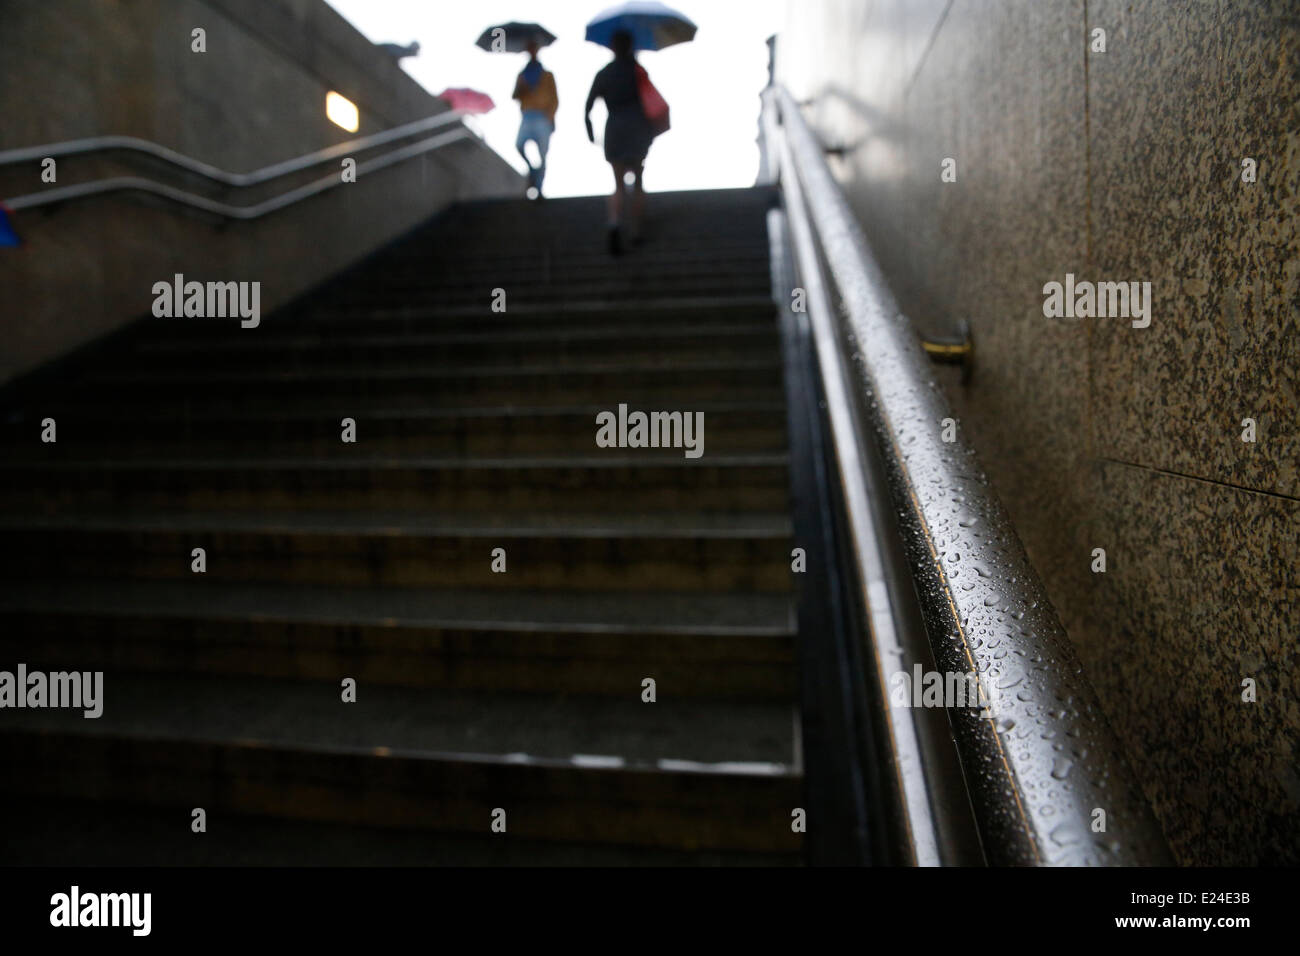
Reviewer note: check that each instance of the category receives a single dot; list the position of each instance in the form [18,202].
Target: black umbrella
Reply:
[514,37]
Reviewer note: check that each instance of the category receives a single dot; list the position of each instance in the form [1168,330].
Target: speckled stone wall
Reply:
[1122,165]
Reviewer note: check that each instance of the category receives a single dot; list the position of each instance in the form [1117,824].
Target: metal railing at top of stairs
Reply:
[1045,775]
[101,144]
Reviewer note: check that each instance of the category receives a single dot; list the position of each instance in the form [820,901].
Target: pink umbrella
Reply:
[465,100]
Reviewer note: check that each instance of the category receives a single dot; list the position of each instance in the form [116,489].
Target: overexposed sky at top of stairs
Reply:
[712,84]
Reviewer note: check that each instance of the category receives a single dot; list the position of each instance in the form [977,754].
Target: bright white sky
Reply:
[711,84]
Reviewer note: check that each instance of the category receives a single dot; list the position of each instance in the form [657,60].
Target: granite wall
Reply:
[1113,158]
[80,68]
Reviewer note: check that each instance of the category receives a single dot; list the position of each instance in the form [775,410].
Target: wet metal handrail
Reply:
[915,829]
[101,144]
[1044,773]
[225,178]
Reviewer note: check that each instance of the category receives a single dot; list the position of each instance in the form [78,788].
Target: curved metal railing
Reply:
[100,144]
[1044,774]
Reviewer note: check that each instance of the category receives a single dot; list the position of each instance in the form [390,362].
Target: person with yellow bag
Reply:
[538,100]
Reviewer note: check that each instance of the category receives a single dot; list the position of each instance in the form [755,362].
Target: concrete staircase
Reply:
[373,560]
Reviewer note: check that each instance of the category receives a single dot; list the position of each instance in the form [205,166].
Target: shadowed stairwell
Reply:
[372,560]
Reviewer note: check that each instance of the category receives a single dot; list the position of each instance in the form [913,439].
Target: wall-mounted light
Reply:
[342,111]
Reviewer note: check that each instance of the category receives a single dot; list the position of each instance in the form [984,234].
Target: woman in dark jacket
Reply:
[628,135]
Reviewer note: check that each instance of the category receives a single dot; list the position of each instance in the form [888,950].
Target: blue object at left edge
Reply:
[7,235]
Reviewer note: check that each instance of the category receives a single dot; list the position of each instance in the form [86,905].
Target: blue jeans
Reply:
[536,126]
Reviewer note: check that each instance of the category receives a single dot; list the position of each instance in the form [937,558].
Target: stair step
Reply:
[476,258]
[113,430]
[525,282]
[469,289]
[669,806]
[83,833]
[319,313]
[742,344]
[321,317]
[311,716]
[585,769]
[316,341]
[721,646]
[725,553]
[653,390]
[563,383]
[604,483]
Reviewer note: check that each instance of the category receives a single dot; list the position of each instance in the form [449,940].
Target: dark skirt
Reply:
[627,137]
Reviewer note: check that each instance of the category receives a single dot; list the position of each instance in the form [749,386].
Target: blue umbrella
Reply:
[652,25]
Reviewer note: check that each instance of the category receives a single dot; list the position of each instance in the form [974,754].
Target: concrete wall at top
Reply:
[72,69]
[1120,165]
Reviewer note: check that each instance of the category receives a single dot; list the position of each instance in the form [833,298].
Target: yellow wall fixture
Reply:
[342,111]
